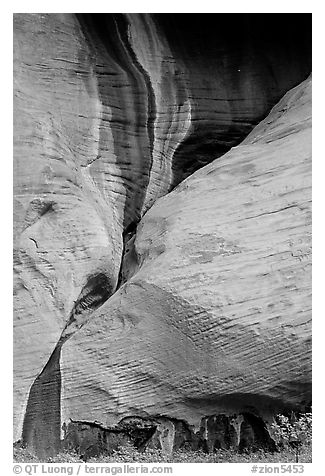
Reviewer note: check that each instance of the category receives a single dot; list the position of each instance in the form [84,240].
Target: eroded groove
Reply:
[42,422]
[151,112]
[129,260]
[41,427]
[107,37]
[93,295]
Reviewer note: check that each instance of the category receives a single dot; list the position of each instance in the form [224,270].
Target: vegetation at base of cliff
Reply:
[130,455]
[293,436]
[294,432]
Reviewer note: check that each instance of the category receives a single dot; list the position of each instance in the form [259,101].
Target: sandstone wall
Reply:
[212,306]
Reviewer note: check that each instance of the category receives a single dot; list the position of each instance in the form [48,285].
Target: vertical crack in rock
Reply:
[129,260]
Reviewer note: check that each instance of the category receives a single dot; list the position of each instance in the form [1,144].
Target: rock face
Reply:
[129,304]
[217,316]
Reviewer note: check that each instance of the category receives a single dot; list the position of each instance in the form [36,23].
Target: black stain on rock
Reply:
[125,89]
[42,422]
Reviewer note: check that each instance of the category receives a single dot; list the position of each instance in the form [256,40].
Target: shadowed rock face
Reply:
[111,112]
[242,432]
[236,69]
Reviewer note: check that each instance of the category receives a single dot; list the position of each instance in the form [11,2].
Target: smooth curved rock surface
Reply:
[217,319]
[111,112]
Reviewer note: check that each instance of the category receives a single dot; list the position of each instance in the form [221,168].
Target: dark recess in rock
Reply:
[216,432]
[129,261]
[97,290]
[273,50]
[93,439]
[254,434]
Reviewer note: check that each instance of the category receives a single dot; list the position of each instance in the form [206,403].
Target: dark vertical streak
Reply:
[42,422]
[41,427]
[152,112]
[130,89]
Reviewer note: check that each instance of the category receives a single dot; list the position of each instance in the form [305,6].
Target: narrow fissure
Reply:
[129,259]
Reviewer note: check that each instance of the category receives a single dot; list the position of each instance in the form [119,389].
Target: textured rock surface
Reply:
[217,317]
[111,112]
